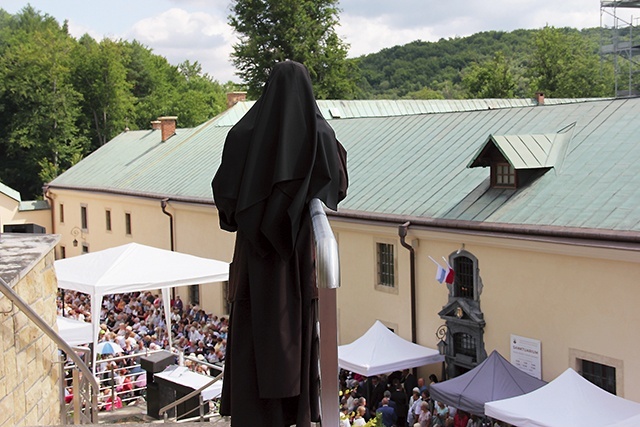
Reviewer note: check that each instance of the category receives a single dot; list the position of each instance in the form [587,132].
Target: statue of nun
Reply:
[277,158]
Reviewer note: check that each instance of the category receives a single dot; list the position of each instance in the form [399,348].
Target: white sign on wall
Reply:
[526,355]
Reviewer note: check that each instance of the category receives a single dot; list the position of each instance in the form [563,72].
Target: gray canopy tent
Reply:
[493,379]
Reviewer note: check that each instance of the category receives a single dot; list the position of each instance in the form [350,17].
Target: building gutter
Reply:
[163,205]
[45,191]
[613,239]
[591,237]
[402,232]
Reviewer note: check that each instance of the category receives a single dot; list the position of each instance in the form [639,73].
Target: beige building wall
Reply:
[31,397]
[41,217]
[196,231]
[8,209]
[579,301]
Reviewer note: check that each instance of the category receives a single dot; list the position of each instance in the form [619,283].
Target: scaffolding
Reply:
[620,40]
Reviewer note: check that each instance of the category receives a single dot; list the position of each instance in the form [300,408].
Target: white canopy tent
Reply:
[132,268]
[74,332]
[380,351]
[629,422]
[569,400]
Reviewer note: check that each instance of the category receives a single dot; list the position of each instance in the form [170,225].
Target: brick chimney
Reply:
[234,97]
[155,125]
[167,126]
[540,98]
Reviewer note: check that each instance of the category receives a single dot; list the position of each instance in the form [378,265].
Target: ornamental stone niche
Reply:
[464,320]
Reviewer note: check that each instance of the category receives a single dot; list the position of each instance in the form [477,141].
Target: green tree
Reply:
[163,89]
[489,79]
[565,64]
[100,74]
[199,97]
[301,30]
[425,93]
[39,136]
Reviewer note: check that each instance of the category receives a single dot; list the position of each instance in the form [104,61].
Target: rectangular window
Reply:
[61,213]
[505,175]
[386,267]
[83,218]
[127,223]
[85,248]
[601,375]
[464,277]
[63,252]
[107,217]
[465,344]
[194,294]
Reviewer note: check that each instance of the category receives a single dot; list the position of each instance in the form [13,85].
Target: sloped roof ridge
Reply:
[10,192]
[360,108]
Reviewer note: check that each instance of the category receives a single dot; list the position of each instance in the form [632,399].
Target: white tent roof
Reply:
[569,400]
[131,268]
[629,422]
[380,351]
[74,332]
[134,267]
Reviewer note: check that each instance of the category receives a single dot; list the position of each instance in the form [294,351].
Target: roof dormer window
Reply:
[503,175]
[516,159]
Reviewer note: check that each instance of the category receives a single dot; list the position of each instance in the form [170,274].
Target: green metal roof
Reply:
[528,151]
[414,164]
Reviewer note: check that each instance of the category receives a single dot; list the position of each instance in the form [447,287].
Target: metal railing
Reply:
[328,280]
[202,414]
[84,385]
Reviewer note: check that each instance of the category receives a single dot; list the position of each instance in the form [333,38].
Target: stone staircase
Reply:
[135,415]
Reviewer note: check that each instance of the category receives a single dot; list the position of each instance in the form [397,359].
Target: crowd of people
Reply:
[400,400]
[136,322]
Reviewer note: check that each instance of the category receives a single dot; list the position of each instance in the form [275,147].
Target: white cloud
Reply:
[78,30]
[368,35]
[179,35]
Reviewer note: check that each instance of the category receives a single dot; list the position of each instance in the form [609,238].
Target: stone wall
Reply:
[29,372]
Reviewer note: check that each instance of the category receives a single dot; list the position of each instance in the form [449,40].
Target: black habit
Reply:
[277,158]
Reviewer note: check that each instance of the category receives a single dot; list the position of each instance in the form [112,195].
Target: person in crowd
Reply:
[178,305]
[426,397]
[389,416]
[376,391]
[415,403]
[409,381]
[441,414]
[362,401]
[399,397]
[344,416]
[359,419]
[424,417]
[461,418]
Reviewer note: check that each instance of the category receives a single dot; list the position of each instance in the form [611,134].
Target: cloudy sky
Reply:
[197,30]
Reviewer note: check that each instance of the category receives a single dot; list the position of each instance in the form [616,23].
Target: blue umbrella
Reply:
[108,347]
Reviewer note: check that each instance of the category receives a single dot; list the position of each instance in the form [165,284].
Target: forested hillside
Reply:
[61,98]
[562,62]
